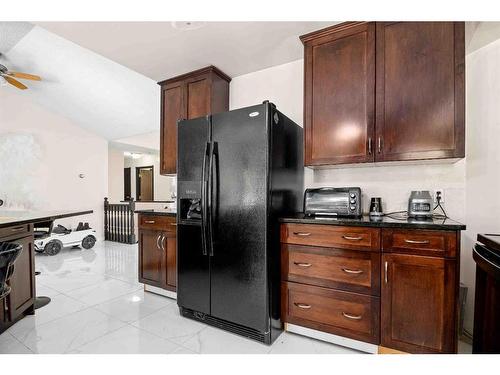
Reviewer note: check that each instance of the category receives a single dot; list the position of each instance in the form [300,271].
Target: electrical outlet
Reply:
[439,192]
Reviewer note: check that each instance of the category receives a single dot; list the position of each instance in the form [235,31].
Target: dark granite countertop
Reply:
[383,222]
[10,218]
[161,212]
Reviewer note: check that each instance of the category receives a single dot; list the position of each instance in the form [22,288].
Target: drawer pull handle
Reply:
[352,238]
[173,224]
[356,272]
[424,242]
[305,265]
[352,317]
[149,221]
[302,305]
[16,229]
[302,234]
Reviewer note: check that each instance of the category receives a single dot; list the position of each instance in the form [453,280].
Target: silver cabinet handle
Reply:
[304,306]
[352,238]
[149,221]
[352,317]
[356,272]
[369,145]
[302,234]
[17,229]
[379,145]
[162,242]
[423,242]
[304,265]
[158,242]
[173,224]
[385,272]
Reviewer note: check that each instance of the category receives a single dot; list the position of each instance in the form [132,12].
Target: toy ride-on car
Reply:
[52,242]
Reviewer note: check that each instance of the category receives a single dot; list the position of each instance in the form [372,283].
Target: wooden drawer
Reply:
[356,271]
[15,231]
[420,242]
[342,313]
[354,238]
[159,222]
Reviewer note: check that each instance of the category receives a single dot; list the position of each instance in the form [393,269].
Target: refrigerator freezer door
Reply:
[239,287]
[193,275]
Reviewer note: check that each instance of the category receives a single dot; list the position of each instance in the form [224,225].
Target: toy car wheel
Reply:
[53,247]
[88,242]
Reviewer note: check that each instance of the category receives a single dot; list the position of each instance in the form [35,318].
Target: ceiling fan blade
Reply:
[24,76]
[14,82]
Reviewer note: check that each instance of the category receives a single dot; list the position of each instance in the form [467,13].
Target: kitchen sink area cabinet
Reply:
[158,251]
[388,285]
[191,95]
[384,91]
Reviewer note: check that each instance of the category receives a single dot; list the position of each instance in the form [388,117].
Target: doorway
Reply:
[144,183]
[127,188]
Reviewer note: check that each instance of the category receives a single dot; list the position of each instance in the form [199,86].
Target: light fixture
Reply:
[133,155]
[187,25]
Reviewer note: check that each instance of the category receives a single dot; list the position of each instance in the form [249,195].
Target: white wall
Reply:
[283,85]
[41,157]
[483,152]
[115,174]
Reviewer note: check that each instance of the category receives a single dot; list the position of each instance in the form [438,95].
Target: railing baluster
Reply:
[119,221]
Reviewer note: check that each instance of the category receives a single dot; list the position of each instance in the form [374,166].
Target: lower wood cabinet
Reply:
[22,295]
[158,251]
[400,291]
[418,310]
[346,314]
[21,299]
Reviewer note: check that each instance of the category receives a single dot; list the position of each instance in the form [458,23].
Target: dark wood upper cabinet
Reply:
[195,94]
[384,91]
[420,90]
[418,303]
[339,94]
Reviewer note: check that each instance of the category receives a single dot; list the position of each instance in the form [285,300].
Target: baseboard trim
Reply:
[160,291]
[334,339]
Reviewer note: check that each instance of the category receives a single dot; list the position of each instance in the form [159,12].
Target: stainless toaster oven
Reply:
[329,201]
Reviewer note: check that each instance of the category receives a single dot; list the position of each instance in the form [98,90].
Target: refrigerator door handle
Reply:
[210,215]
[204,212]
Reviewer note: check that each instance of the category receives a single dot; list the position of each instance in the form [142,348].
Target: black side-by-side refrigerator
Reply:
[237,173]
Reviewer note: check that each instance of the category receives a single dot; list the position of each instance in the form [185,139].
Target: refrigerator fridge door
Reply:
[239,194]
[193,275]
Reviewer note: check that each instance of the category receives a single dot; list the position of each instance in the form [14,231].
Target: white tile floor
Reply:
[99,307]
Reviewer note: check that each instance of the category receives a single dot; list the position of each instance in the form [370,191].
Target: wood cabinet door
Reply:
[22,295]
[339,98]
[197,96]
[172,109]
[418,304]
[170,245]
[420,90]
[151,258]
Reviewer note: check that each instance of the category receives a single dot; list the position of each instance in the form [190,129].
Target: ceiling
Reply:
[158,50]
[92,91]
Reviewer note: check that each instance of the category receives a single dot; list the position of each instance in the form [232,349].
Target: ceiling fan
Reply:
[10,77]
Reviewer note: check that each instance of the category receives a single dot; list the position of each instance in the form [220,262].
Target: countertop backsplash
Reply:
[393,183]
